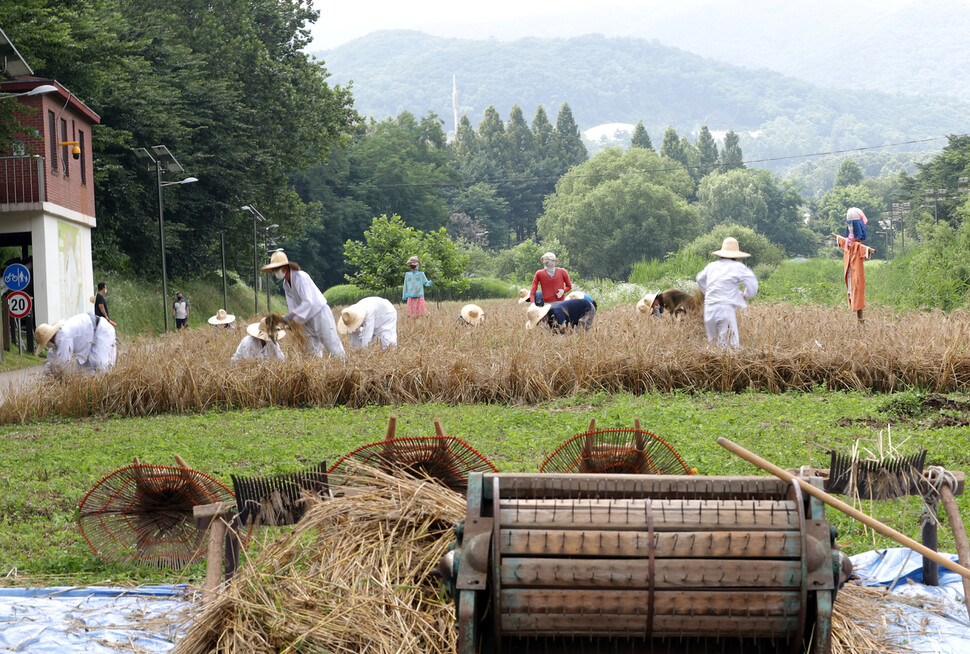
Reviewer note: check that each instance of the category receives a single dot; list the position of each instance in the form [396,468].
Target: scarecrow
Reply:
[85,343]
[471,315]
[262,340]
[854,253]
[306,305]
[560,316]
[415,282]
[372,317]
[554,282]
[721,283]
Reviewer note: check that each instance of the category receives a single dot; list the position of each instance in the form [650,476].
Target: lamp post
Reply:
[267,243]
[162,161]
[256,217]
[37,90]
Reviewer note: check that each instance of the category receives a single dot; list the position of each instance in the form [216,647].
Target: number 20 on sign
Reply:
[19,304]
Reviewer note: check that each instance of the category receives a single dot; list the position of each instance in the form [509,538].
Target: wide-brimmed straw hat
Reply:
[351,319]
[258,330]
[576,295]
[278,260]
[645,305]
[222,318]
[523,295]
[92,299]
[43,334]
[536,314]
[472,314]
[729,249]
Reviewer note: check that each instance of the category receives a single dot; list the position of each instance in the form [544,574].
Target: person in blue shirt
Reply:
[415,282]
[560,316]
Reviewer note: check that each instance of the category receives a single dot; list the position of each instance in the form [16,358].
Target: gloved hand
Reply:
[559,293]
[288,318]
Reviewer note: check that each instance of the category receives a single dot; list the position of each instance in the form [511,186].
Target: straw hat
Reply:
[278,260]
[414,260]
[472,314]
[44,333]
[222,318]
[258,330]
[351,319]
[645,305]
[549,256]
[729,249]
[92,299]
[576,295]
[523,295]
[536,314]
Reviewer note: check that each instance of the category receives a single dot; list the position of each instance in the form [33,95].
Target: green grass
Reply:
[13,360]
[48,468]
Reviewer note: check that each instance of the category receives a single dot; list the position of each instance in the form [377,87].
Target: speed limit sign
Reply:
[19,304]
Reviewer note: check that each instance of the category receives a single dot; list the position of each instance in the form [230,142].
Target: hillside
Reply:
[629,79]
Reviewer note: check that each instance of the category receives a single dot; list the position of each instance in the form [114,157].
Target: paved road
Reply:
[17,378]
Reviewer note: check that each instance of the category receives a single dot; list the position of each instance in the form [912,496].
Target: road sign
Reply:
[19,304]
[16,276]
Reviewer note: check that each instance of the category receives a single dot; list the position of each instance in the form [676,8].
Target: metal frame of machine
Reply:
[642,563]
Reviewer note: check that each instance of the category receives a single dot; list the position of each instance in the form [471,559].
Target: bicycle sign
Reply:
[16,276]
[19,304]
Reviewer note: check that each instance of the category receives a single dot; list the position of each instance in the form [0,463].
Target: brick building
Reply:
[47,189]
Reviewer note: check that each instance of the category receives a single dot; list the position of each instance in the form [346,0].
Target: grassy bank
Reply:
[48,468]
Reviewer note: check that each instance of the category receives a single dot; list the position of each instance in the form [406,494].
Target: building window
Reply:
[52,136]
[80,143]
[64,152]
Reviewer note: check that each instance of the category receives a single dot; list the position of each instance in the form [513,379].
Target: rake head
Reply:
[616,451]
[278,500]
[444,459]
[143,513]
[884,479]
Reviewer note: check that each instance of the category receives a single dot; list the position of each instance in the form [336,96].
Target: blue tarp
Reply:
[92,619]
[149,618]
[923,630]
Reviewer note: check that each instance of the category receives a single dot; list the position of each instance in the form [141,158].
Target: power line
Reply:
[543,178]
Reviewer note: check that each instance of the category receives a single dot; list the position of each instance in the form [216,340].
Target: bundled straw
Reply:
[352,576]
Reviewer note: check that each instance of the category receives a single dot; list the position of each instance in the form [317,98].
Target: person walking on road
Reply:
[180,310]
[306,306]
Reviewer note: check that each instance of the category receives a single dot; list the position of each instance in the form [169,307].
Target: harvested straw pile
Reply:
[862,614]
[783,347]
[352,576]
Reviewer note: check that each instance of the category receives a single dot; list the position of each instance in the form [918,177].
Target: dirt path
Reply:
[17,378]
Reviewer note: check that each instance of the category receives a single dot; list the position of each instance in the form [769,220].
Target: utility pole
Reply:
[454,102]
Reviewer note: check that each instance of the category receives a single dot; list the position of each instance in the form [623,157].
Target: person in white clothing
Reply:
[721,283]
[306,306]
[259,343]
[372,317]
[85,343]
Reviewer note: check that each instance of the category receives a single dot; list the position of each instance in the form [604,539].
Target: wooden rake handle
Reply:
[882,528]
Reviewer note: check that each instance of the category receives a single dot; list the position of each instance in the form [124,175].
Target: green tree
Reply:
[640,138]
[762,251]
[829,213]
[524,198]
[618,208]
[672,147]
[519,263]
[567,142]
[849,174]
[731,155]
[484,205]
[707,152]
[388,243]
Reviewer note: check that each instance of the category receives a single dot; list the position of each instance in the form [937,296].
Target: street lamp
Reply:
[162,161]
[37,90]
[256,216]
[267,243]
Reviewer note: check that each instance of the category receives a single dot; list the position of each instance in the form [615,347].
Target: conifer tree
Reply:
[707,149]
[731,155]
[567,140]
[640,138]
[672,148]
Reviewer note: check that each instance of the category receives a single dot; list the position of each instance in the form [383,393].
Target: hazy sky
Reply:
[343,21]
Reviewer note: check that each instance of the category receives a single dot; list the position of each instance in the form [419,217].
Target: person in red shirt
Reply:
[553,282]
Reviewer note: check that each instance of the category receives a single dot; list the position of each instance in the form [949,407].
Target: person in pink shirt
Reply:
[553,282]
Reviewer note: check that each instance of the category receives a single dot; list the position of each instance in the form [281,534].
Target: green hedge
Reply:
[480,288]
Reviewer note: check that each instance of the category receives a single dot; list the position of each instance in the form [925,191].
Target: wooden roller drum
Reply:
[639,563]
